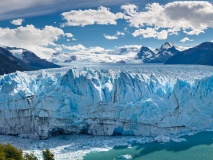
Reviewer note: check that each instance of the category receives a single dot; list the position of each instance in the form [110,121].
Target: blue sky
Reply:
[79,24]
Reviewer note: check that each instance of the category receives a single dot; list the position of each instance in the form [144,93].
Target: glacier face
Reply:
[128,100]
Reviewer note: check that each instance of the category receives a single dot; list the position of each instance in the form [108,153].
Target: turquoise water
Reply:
[197,147]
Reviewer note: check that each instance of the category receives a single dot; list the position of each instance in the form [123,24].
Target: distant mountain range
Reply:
[17,59]
[160,55]
[13,59]
[201,54]
[117,55]
[168,53]
[125,54]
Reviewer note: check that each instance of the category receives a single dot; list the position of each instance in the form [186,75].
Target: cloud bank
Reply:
[191,17]
[82,18]
[31,38]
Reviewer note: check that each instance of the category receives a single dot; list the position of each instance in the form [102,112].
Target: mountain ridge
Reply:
[32,59]
[201,54]
[159,55]
[11,63]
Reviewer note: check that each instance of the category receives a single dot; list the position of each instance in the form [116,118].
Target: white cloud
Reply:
[74,47]
[69,35]
[130,46]
[150,33]
[101,16]
[186,39]
[10,9]
[17,22]
[31,38]
[192,17]
[82,50]
[58,48]
[110,37]
[130,10]
[74,39]
[120,33]
[96,49]
[162,34]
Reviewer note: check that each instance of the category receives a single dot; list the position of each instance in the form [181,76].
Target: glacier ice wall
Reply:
[103,102]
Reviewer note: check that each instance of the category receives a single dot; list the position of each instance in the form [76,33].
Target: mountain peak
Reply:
[143,48]
[145,54]
[167,45]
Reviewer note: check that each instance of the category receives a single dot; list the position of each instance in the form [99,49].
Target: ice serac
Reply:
[103,102]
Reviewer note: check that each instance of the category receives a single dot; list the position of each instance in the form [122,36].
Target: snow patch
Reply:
[18,53]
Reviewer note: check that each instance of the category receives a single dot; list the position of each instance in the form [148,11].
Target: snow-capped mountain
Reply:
[9,63]
[126,54]
[13,59]
[201,54]
[30,58]
[159,55]
[62,57]
[130,54]
[125,50]
[166,51]
[167,46]
[148,100]
[146,54]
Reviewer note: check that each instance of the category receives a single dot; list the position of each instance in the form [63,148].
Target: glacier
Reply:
[146,100]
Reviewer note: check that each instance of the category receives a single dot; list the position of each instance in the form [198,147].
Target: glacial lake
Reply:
[196,147]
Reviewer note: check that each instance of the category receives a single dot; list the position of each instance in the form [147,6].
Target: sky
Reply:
[74,25]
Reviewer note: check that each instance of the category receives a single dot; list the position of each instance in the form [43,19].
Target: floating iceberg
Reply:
[127,156]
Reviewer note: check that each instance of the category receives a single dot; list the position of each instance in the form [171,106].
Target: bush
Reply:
[9,152]
[30,157]
[47,155]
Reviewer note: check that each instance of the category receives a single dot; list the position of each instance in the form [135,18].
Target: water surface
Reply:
[197,147]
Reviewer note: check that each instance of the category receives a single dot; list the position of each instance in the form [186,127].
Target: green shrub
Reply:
[2,153]
[9,152]
[30,156]
[47,155]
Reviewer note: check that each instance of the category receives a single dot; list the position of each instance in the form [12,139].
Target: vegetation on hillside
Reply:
[9,152]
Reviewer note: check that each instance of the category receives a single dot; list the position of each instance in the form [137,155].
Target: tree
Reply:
[47,155]
[30,156]
[2,153]
[9,152]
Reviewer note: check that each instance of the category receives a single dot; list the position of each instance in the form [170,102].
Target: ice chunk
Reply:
[162,139]
[127,156]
